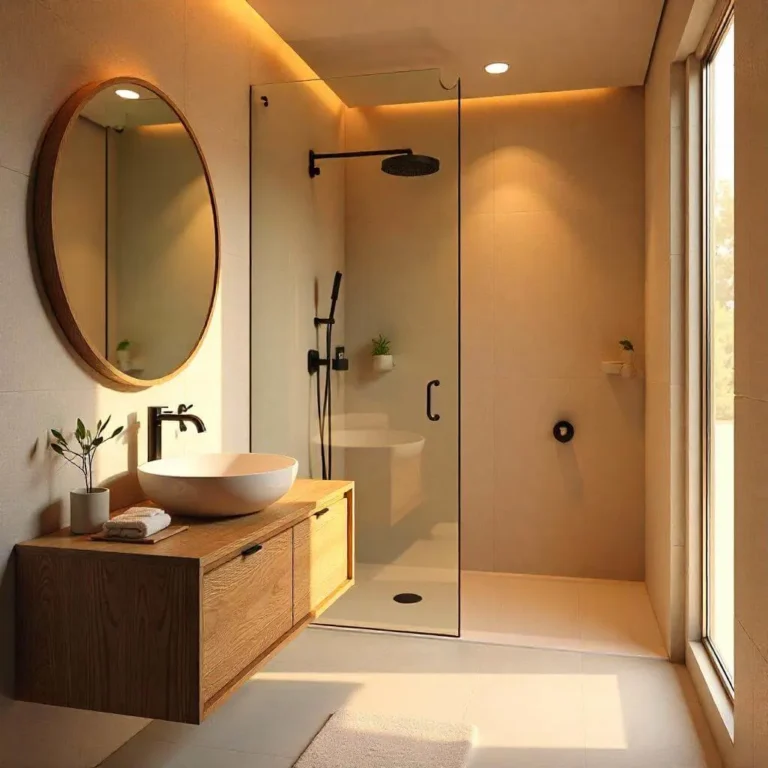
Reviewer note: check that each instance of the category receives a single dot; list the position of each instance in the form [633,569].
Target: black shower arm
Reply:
[314,156]
[361,153]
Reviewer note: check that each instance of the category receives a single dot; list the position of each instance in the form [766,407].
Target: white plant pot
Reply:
[383,362]
[88,511]
[124,359]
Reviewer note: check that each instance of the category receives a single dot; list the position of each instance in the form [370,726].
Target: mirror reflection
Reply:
[134,231]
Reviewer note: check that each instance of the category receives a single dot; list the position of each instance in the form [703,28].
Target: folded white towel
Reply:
[137,523]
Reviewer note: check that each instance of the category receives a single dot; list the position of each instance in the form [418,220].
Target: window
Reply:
[718,336]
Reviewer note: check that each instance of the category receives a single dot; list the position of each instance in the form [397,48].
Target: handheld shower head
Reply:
[336,286]
[335,294]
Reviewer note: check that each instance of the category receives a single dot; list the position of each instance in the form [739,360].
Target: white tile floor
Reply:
[532,708]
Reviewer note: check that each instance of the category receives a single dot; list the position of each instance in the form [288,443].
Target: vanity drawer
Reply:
[247,606]
[320,555]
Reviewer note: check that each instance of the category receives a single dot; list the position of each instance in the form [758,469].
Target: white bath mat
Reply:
[352,739]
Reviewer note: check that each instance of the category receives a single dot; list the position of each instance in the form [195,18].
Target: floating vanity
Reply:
[169,630]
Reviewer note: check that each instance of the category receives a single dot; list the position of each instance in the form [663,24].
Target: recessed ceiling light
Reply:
[125,93]
[496,68]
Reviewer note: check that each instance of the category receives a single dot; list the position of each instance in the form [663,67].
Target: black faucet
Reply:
[157,415]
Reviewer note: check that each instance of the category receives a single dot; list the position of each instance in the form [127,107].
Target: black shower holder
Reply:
[315,362]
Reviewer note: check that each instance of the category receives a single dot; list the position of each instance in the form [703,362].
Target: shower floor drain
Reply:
[407,598]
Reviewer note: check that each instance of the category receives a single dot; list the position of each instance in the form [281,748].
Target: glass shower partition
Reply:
[395,236]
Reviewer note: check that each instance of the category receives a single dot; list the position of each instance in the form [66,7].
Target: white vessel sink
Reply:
[218,484]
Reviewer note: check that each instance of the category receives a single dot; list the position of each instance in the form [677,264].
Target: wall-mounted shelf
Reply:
[612,367]
[619,368]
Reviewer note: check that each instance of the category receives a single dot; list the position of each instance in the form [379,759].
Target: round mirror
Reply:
[126,231]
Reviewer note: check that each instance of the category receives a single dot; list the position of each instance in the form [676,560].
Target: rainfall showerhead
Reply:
[410,165]
[397,162]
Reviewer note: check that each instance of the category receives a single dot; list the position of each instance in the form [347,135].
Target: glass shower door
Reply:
[339,184]
[398,434]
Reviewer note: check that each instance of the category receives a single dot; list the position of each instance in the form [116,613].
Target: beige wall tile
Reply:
[18,293]
[751,524]
[478,158]
[744,701]
[559,181]
[760,707]
[665,327]
[574,509]
[751,556]
[478,404]
[204,54]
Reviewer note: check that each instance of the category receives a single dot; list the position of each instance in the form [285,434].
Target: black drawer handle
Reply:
[252,550]
[320,513]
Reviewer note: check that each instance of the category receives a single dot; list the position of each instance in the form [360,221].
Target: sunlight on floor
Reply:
[532,708]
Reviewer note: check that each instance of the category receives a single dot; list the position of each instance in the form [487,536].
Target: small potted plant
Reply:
[382,354]
[124,355]
[88,506]
[627,358]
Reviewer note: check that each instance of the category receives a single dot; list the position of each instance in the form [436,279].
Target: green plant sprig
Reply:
[381,345]
[627,345]
[88,442]
[123,345]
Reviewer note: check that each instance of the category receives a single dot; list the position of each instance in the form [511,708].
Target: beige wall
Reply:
[751,385]
[552,279]
[204,54]
[80,221]
[298,244]
[163,251]
[665,323]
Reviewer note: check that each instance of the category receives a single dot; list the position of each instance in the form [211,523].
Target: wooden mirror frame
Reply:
[45,244]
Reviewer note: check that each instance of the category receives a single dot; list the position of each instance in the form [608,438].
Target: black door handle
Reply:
[432,416]
[252,550]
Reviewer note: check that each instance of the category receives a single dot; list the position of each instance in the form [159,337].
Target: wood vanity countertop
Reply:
[212,541]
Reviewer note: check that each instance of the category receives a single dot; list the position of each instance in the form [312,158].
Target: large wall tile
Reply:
[478,403]
[553,278]
[751,541]
[51,363]
[204,54]
[744,704]
[751,535]
[575,509]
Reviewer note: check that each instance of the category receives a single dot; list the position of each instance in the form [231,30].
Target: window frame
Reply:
[717,34]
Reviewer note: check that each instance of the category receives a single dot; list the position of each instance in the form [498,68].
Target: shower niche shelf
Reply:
[619,368]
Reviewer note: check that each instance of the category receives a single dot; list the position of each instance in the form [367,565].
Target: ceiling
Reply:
[550,45]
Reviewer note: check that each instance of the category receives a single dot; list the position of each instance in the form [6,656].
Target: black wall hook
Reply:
[563,431]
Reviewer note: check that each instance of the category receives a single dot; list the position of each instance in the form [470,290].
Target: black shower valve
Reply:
[563,431]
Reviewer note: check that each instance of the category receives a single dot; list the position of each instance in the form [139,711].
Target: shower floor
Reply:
[586,615]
